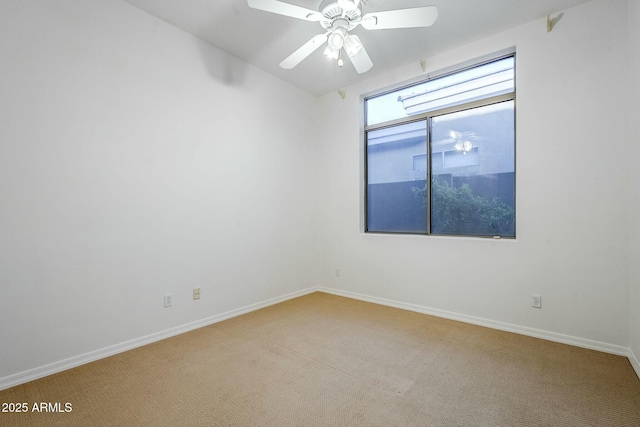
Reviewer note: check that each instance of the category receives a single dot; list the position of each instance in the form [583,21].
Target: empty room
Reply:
[319,213]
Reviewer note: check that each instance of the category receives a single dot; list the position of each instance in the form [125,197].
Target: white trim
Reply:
[72,362]
[634,362]
[508,327]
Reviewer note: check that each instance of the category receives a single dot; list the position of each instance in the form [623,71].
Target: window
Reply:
[440,155]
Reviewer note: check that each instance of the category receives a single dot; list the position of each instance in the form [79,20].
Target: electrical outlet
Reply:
[168,300]
[337,272]
[536,301]
[196,293]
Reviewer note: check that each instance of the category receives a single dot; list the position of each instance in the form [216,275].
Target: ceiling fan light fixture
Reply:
[463,147]
[352,45]
[332,53]
[337,38]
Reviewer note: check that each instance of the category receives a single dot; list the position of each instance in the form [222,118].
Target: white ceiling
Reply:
[265,39]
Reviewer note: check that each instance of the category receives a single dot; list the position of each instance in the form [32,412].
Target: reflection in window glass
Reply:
[396,163]
[474,194]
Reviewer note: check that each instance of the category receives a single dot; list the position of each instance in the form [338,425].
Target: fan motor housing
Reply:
[331,11]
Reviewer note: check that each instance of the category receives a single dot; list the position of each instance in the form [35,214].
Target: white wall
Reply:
[572,192]
[136,160]
[634,190]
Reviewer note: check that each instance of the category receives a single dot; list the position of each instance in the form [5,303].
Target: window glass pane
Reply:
[473,193]
[493,78]
[396,169]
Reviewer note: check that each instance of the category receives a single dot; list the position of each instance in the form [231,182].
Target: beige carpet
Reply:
[323,360]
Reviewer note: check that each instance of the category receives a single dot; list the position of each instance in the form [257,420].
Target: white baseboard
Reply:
[508,327]
[72,362]
[634,362]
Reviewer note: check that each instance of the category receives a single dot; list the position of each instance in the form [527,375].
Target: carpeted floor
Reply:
[323,360]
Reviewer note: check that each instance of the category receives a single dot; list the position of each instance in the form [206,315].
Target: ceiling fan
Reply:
[337,18]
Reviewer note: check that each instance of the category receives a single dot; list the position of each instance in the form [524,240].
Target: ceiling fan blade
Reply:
[286,9]
[361,61]
[401,18]
[305,50]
